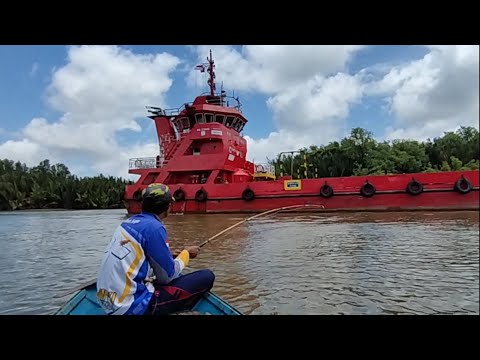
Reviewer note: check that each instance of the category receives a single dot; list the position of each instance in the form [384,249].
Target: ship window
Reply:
[241,127]
[219,118]
[238,125]
[234,124]
[199,118]
[178,124]
[185,123]
[208,118]
[229,120]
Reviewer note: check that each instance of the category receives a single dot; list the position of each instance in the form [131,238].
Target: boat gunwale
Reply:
[209,297]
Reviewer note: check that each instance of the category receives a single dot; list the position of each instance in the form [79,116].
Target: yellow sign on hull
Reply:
[292,185]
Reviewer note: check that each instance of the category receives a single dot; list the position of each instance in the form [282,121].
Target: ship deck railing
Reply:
[176,111]
[143,163]
[264,171]
[168,112]
[223,101]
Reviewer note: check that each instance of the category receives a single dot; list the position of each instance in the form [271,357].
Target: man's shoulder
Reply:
[144,221]
[140,218]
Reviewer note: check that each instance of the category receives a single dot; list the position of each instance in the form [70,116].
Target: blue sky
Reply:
[85,106]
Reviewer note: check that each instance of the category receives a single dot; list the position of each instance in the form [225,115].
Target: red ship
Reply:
[203,159]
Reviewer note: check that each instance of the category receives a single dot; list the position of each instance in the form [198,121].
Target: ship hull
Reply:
[439,193]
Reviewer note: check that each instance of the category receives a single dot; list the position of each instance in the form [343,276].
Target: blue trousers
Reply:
[181,293]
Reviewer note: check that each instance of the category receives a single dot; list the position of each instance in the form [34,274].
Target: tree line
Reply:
[53,187]
[360,154]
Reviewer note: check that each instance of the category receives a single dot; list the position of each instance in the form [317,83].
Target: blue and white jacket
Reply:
[137,255]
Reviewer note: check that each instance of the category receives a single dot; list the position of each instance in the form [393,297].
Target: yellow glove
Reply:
[184,256]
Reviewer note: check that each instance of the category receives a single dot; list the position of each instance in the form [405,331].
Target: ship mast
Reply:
[211,80]
[210,66]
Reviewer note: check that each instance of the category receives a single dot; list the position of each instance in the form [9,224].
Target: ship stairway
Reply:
[171,153]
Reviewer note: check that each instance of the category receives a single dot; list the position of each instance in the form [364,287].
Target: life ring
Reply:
[201,195]
[414,187]
[138,163]
[179,195]
[248,195]
[326,191]
[259,169]
[137,195]
[367,190]
[463,186]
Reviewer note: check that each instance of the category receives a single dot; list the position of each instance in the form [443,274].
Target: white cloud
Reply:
[437,93]
[419,132]
[309,114]
[100,91]
[271,68]
[318,103]
[309,88]
[269,147]
[119,167]
[25,151]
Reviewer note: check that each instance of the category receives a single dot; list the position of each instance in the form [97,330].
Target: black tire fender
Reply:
[248,195]
[326,191]
[463,186]
[368,190]
[201,195]
[414,187]
[179,195]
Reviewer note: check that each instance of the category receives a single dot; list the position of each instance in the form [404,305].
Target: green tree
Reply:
[53,186]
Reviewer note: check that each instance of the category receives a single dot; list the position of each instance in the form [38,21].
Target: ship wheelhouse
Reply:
[199,143]
[212,147]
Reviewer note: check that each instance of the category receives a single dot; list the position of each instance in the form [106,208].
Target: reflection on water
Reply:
[366,263]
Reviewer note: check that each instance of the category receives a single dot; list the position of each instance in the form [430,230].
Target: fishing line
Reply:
[292,207]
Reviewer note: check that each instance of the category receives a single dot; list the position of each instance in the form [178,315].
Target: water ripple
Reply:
[393,263]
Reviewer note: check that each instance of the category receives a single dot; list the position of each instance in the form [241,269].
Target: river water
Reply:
[364,263]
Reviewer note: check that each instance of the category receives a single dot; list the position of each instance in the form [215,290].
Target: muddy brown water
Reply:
[353,263]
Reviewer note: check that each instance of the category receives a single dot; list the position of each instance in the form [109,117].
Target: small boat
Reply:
[84,302]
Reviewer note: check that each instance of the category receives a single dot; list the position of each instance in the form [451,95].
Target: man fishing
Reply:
[139,274]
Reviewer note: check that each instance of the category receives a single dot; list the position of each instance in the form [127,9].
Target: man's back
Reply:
[122,282]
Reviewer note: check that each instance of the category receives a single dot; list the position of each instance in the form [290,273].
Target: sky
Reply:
[84,106]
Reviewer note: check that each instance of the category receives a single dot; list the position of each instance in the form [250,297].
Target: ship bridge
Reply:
[199,142]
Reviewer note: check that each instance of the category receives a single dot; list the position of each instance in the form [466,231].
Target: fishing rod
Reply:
[273,211]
